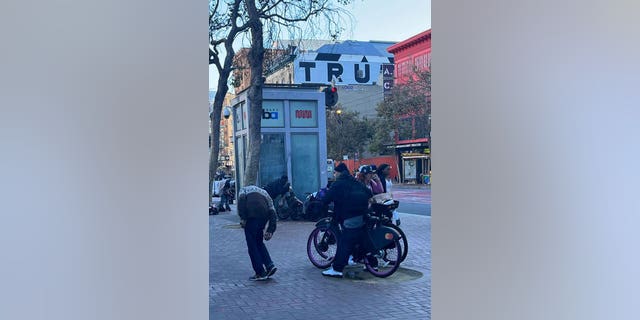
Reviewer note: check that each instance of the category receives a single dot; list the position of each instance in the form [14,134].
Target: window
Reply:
[272,161]
[422,61]
[304,163]
[404,68]
[239,110]
[240,164]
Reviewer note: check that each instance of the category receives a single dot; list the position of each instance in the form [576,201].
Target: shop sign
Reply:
[387,85]
[387,71]
[412,154]
[272,114]
[304,114]
[348,69]
[412,145]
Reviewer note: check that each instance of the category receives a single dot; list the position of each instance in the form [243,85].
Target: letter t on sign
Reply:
[307,69]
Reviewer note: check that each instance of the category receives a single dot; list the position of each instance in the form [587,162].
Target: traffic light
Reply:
[330,96]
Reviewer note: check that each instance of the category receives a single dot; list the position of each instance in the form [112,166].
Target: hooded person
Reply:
[350,203]
[277,187]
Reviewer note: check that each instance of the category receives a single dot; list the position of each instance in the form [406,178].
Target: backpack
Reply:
[359,196]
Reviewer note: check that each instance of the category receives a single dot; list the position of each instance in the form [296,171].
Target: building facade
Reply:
[414,151]
[226,156]
[355,64]
[356,67]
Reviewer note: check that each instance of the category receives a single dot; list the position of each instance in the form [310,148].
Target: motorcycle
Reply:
[289,206]
[313,208]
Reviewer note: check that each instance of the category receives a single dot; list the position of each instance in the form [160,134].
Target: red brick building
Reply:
[413,152]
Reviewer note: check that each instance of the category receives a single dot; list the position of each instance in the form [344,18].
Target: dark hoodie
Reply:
[350,197]
[277,187]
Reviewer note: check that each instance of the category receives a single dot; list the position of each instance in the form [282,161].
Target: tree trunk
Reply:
[216,114]
[256,58]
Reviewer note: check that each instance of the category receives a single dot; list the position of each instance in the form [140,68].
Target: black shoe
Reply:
[256,277]
[228,208]
[271,270]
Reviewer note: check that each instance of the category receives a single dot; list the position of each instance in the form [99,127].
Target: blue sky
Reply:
[379,20]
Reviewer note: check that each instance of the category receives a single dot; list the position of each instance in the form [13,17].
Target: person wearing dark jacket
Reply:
[350,202]
[225,195]
[277,187]
[255,208]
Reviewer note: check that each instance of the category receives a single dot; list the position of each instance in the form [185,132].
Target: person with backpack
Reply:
[351,201]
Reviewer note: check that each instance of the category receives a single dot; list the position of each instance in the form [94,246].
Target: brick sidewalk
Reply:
[299,291]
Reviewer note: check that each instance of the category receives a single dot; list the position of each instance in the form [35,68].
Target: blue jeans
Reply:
[258,253]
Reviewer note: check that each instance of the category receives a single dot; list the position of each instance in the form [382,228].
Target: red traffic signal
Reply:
[330,96]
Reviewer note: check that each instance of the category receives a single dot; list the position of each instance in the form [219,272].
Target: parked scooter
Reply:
[289,206]
[314,209]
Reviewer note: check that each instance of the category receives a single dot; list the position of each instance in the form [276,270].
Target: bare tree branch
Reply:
[262,11]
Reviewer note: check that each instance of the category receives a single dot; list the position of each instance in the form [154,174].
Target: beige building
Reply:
[226,157]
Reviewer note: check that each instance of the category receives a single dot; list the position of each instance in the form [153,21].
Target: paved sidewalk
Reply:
[299,291]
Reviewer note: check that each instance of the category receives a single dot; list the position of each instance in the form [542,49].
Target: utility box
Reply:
[294,137]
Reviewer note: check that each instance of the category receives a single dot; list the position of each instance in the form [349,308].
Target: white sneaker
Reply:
[351,262]
[332,273]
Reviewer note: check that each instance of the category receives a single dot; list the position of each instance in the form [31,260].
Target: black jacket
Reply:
[277,187]
[345,206]
[383,180]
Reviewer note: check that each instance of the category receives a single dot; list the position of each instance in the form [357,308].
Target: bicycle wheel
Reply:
[388,260]
[321,247]
[404,243]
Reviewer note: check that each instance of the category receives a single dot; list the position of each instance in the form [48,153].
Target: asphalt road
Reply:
[415,208]
[413,200]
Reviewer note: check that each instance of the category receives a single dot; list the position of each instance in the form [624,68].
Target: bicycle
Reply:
[381,242]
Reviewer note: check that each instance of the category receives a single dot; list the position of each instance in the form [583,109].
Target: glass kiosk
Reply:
[294,137]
